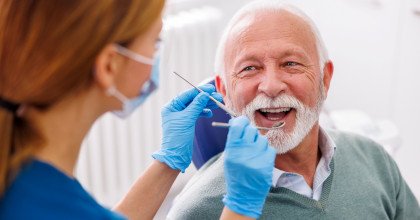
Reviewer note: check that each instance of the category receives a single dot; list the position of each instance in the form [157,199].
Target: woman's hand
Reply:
[248,165]
[178,124]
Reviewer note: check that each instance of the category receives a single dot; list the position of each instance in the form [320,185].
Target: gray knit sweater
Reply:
[365,183]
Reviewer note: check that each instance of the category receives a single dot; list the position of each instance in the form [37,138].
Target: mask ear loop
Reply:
[137,57]
[112,91]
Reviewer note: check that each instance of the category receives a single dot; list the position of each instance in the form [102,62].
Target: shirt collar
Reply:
[327,147]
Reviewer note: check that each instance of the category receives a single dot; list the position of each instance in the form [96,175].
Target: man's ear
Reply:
[328,74]
[107,66]
[220,86]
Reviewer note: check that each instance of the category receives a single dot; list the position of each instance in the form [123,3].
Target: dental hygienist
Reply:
[64,64]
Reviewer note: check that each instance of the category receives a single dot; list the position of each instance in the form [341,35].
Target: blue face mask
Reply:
[129,105]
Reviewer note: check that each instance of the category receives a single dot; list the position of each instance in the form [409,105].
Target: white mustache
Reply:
[262,101]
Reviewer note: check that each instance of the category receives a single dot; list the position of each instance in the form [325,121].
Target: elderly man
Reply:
[273,67]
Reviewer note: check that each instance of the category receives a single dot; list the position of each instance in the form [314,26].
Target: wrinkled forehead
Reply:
[271,25]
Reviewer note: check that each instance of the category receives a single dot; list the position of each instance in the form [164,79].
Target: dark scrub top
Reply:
[40,191]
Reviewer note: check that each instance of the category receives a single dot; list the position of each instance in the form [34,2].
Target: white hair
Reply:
[255,7]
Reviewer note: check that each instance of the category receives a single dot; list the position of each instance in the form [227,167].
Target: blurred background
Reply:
[374,45]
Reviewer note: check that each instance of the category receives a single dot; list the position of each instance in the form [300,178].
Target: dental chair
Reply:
[209,141]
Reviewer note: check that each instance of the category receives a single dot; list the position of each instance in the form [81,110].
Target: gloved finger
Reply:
[250,134]
[180,102]
[272,151]
[176,104]
[195,108]
[270,155]
[208,88]
[189,95]
[262,143]
[237,127]
[218,97]
[207,113]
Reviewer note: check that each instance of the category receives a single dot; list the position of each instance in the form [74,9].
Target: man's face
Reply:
[273,75]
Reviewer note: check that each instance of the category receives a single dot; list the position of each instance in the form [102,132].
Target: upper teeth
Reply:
[275,110]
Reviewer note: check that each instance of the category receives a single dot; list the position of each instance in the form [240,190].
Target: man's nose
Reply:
[272,84]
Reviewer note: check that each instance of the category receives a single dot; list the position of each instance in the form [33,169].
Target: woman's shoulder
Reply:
[41,191]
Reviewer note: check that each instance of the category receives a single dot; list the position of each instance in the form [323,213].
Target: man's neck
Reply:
[303,159]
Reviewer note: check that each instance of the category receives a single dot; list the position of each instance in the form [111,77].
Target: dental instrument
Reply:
[226,109]
[226,125]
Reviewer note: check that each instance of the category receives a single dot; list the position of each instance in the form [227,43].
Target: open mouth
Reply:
[267,117]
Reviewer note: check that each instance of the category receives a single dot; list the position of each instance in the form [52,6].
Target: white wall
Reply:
[405,93]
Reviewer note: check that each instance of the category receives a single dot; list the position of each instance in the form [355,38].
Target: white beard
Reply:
[306,118]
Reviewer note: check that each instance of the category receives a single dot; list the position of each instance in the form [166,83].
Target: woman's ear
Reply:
[220,86]
[107,66]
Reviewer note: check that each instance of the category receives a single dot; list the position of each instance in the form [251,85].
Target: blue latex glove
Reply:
[248,165]
[178,125]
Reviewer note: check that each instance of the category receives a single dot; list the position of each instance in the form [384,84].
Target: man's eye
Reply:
[291,63]
[248,71]
[249,68]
